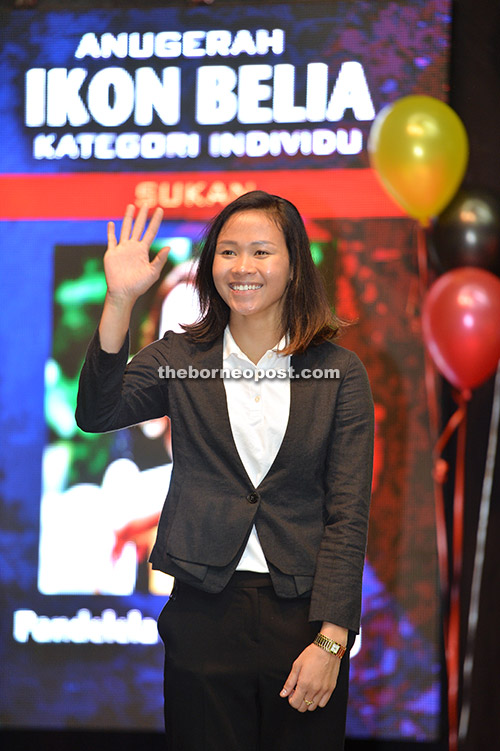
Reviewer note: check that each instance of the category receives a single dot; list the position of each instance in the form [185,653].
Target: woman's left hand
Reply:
[312,679]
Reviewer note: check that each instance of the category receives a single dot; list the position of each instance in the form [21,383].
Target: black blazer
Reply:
[310,510]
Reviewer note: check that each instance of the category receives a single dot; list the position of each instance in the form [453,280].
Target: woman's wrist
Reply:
[115,321]
[337,633]
[332,639]
[122,304]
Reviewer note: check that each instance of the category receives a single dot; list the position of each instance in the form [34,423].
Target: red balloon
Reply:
[461,325]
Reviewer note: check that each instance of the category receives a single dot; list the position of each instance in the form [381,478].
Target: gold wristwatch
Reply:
[329,645]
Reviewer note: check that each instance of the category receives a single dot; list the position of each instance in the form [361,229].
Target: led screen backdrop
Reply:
[187,108]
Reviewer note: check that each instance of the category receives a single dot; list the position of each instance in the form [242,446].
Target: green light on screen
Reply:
[317,253]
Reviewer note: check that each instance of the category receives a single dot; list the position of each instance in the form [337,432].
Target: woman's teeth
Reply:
[245,287]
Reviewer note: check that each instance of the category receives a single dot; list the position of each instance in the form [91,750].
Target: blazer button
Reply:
[253,497]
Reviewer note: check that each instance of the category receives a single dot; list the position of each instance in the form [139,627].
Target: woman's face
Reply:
[251,267]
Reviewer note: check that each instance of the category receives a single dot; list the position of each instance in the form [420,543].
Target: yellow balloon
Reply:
[419,148]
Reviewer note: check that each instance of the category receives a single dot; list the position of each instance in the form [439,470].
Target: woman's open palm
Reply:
[128,269]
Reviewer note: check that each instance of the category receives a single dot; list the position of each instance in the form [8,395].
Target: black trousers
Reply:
[227,657]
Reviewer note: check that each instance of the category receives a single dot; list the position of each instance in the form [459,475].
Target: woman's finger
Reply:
[139,223]
[127,222]
[160,259]
[311,704]
[111,235]
[323,700]
[290,682]
[153,227]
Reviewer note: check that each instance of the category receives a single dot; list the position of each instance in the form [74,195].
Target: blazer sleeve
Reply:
[336,594]
[113,394]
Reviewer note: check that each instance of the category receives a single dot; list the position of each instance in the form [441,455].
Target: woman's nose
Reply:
[245,264]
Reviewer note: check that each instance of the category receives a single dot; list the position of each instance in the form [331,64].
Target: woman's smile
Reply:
[239,287]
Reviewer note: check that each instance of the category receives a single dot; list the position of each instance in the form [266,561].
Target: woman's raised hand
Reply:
[129,272]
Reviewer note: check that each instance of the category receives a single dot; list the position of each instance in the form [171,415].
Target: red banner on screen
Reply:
[191,195]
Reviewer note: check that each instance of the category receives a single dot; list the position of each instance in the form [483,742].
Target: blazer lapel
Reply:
[209,357]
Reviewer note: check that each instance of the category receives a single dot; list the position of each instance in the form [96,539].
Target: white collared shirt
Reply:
[258,413]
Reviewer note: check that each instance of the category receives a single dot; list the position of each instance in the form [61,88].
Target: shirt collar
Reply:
[229,347]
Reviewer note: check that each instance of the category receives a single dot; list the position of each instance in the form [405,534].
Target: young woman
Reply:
[265,522]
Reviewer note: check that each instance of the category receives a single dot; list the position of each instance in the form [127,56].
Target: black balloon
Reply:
[467,233]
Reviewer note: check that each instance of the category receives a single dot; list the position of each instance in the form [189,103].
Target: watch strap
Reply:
[330,645]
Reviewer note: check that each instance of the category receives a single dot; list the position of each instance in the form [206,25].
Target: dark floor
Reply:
[46,740]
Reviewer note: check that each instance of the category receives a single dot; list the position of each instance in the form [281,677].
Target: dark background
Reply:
[475,96]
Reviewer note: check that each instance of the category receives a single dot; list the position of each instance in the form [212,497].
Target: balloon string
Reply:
[482,529]
[458,422]
[453,656]
[440,467]
[440,475]
[423,269]
[450,591]
[418,287]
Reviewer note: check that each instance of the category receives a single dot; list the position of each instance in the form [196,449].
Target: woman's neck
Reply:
[254,338]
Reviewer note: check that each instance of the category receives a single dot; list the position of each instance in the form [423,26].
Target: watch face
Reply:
[335,648]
